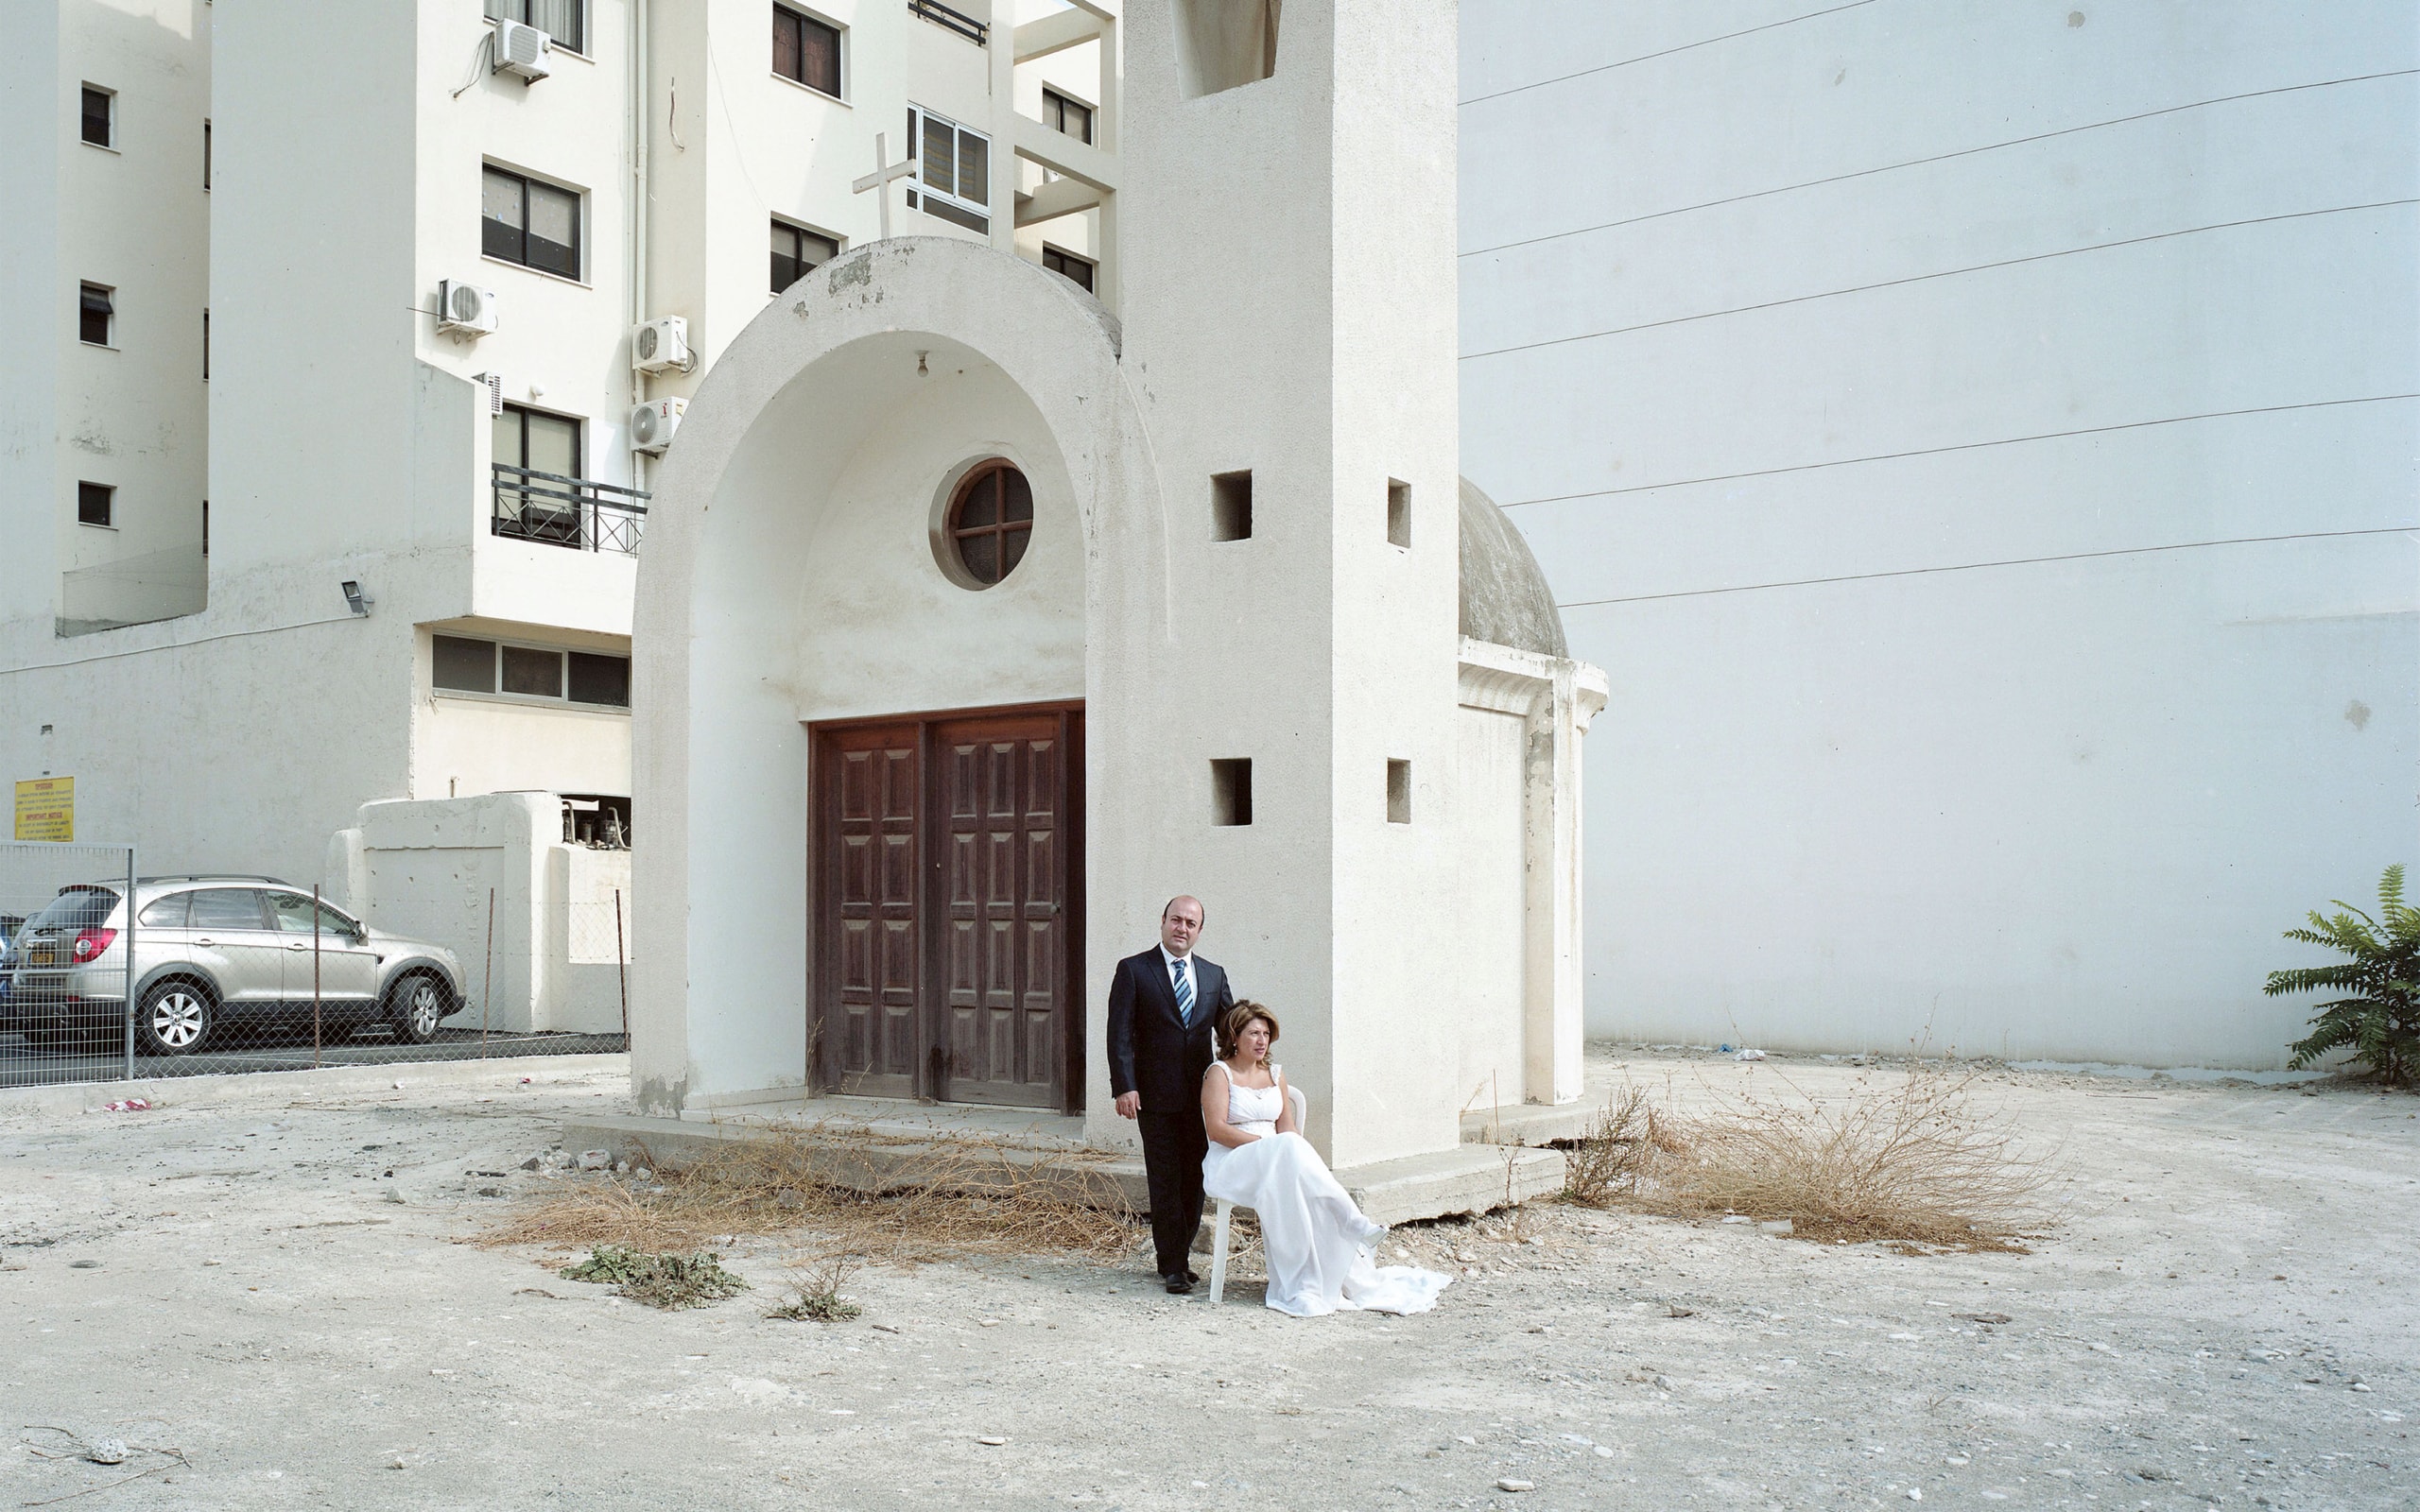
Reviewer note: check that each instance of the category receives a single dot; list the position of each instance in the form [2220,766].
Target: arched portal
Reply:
[865,860]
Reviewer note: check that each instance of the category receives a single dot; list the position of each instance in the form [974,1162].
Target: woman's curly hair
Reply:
[1232,1023]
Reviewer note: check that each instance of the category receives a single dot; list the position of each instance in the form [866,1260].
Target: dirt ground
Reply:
[276,1286]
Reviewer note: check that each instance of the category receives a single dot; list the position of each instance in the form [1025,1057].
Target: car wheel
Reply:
[177,1019]
[419,1003]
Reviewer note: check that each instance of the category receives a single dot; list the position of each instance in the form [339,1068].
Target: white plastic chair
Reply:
[1301,1110]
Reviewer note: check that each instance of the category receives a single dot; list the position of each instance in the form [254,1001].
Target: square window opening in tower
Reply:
[1224,45]
[1231,506]
[1231,790]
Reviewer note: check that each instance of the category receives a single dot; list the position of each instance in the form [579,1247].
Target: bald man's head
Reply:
[1181,924]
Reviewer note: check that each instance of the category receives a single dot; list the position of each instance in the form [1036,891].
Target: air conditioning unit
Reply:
[522,49]
[660,344]
[465,309]
[652,424]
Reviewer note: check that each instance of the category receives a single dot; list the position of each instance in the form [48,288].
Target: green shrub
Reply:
[2380,1020]
[668,1281]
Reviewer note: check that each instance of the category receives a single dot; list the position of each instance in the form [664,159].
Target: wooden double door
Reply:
[947,906]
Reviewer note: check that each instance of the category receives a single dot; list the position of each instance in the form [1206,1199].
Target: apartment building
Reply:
[370,319]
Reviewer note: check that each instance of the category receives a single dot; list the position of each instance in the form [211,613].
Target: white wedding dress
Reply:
[1321,1250]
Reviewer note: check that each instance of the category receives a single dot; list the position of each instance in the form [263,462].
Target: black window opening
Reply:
[954,170]
[99,117]
[205,345]
[807,51]
[565,21]
[95,504]
[96,311]
[534,224]
[1072,117]
[463,664]
[796,249]
[206,156]
[1075,269]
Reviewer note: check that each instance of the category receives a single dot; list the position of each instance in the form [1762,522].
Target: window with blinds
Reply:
[796,249]
[806,51]
[954,170]
[565,21]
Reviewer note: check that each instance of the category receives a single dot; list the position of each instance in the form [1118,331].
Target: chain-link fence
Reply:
[107,974]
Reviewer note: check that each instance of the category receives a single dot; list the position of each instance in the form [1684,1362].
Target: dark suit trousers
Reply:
[1174,1144]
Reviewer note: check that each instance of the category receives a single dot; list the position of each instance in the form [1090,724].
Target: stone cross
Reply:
[879,181]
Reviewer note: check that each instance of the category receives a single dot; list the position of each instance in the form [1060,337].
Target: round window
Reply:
[990,522]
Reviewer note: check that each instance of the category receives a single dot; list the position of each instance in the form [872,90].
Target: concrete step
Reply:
[1532,1123]
[865,1155]
[1472,1178]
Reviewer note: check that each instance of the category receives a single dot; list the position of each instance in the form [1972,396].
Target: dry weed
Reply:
[1915,1164]
[888,1199]
[815,1289]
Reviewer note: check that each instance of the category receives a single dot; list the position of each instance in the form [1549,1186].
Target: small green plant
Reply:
[2380,1020]
[815,1291]
[669,1281]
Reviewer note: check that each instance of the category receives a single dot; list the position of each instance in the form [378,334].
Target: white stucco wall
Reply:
[878,629]
[1880,389]
[1491,885]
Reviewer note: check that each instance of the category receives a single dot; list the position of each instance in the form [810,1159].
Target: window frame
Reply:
[839,91]
[1089,283]
[1051,96]
[85,290]
[109,115]
[800,228]
[956,533]
[107,494]
[528,181]
[951,199]
[496,694]
[524,6]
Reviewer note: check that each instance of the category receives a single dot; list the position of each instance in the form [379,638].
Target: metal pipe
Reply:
[640,125]
[315,977]
[622,968]
[130,962]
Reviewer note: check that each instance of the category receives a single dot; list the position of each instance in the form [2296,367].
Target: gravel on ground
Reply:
[267,1296]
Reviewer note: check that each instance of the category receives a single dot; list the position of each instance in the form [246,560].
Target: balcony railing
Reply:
[580,513]
[956,20]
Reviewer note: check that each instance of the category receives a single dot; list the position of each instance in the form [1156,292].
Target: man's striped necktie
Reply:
[1184,994]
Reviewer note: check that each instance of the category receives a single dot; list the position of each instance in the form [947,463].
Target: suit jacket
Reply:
[1150,1050]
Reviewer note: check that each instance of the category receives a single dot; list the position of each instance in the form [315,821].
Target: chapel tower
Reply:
[1288,290]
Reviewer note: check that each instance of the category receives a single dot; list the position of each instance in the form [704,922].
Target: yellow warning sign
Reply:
[46,808]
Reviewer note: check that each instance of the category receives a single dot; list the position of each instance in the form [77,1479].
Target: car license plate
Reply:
[41,955]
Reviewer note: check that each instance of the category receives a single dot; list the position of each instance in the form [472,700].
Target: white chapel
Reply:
[973,624]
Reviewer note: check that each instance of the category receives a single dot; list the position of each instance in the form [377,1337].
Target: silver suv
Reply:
[210,952]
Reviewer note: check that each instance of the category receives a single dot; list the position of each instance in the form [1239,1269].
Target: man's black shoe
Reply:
[1192,1276]
[1178,1283]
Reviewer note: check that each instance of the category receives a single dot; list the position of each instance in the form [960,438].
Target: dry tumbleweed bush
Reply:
[1915,1164]
[882,1197]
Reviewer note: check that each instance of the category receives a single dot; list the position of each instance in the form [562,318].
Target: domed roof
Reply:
[1505,597]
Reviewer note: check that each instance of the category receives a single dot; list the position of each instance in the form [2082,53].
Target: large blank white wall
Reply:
[1978,439]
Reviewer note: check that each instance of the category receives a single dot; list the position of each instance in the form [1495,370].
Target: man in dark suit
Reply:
[1161,1007]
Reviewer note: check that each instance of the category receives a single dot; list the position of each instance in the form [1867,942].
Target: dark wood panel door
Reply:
[956,977]
[1004,907]
[869,1035]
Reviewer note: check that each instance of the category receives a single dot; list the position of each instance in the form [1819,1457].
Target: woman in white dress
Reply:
[1321,1250]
